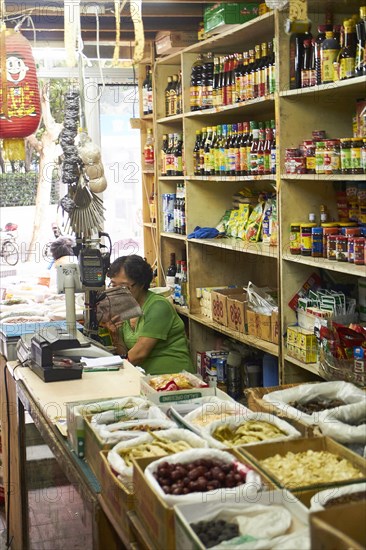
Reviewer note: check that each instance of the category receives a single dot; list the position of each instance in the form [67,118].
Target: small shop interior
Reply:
[183,275]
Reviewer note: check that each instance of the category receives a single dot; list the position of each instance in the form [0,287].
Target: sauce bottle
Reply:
[296,57]
[328,55]
[347,55]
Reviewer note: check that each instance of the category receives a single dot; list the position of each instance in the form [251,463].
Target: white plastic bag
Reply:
[337,423]
[319,500]
[289,431]
[119,431]
[215,408]
[128,408]
[307,392]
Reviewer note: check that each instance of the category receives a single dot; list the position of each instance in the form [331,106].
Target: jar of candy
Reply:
[295,238]
[341,248]
[359,250]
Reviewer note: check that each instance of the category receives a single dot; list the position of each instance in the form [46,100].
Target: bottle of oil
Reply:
[328,55]
[347,55]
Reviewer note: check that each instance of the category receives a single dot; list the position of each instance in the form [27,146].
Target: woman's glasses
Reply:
[126,285]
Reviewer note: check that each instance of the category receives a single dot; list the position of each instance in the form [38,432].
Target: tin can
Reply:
[331,246]
[317,242]
[359,250]
[295,238]
[341,248]
[306,229]
[351,250]
[328,229]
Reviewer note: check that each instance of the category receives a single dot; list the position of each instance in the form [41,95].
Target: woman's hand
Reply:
[113,325]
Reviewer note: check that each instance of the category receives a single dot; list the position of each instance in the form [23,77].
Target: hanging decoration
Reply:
[71,30]
[136,16]
[20,107]
[118,7]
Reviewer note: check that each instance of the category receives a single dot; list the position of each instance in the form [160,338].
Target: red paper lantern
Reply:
[20,111]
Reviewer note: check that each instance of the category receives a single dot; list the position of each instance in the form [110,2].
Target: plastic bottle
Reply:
[328,55]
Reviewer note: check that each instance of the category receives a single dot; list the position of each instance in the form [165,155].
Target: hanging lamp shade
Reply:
[20,108]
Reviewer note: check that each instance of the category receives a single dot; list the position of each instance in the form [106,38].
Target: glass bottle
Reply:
[149,148]
[195,84]
[177,283]
[220,90]
[170,272]
[271,69]
[174,95]
[178,164]
[306,64]
[196,154]
[216,82]
[273,148]
[207,81]
[211,154]
[207,149]
[347,55]
[238,76]
[163,153]
[202,151]
[360,68]
[169,156]
[262,71]
[216,151]
[296,57]
[167,96]
[223,150]
[254,152]
[179,95]
[150,94]
[328,55]
[183,301]
[267,150]
[145,85]
[256,71]
[232,150]
[152,205]
[237,148]
[318,42]
[243,150]
[249,94]
[227,150]
[244,76]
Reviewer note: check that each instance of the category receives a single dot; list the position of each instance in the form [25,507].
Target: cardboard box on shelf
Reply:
[237,312]
[275,327]
[120,498]
[256,453]
[205,299]
[252,322]
[340,527]
[167,42]
[264,328]
[219,303]
[220,16]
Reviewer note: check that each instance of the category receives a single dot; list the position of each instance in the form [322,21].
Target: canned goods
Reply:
[328,229]
[359,250]
[331,246]
[341,248]
[295,238]
[317,242]
[306,229]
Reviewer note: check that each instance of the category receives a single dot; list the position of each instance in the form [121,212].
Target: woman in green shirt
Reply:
[155,341]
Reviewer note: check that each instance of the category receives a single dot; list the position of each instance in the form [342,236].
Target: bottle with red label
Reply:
[149,149]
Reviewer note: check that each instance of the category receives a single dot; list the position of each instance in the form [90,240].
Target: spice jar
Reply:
[306,238]
[341,248]
[331,246]
[317,242]
[309,154]
[328,229]
[295,238]
[332,160]
[356,146]
[359,250]
[345,150]
[319,157]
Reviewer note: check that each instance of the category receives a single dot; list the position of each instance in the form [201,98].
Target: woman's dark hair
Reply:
[62,246]
[136,268]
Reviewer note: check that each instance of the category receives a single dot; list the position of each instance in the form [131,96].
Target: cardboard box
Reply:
[186,514]
[237,312]
[264,327]
[205,299]
[275,327]
[219,303]
[93,446]
[252,322]
[256,453]
[169,397]
[169,42]
[219,17]
[151,509]
[120,498]
[340,527]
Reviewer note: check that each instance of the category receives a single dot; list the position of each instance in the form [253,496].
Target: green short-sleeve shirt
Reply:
[160,320]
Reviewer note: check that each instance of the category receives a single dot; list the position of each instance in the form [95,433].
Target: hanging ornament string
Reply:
[71,30]
[118,7]
[136,16]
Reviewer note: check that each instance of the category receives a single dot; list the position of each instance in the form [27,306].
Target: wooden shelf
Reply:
[182,310]
[147,117]
[244,338]
[255,106]
[172,118]
[268,177]
[146,172]
[311,367]
[150,224]
[337,90]
[230,243]
[173,236]
[323,263]
[323,177]
[172,178]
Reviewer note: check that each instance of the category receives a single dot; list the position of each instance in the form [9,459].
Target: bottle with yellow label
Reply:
[347,54]
[328,54]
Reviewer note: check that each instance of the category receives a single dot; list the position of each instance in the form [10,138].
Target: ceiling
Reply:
[158,15]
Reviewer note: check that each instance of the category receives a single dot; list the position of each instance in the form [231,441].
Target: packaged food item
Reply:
[254,225]
[295,238]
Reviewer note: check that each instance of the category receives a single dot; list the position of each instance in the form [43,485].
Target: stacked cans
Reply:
[168,211]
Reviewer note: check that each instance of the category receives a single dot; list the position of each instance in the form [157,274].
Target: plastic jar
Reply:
[317,242]
[295,238]
[331,246]
[309,154]
[306,229]
[328,229]
[341,248]
[332,159]
[345,151]
[319,157]
[356,146]
[359,250]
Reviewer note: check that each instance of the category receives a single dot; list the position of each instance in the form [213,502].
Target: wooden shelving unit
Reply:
[297,113]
